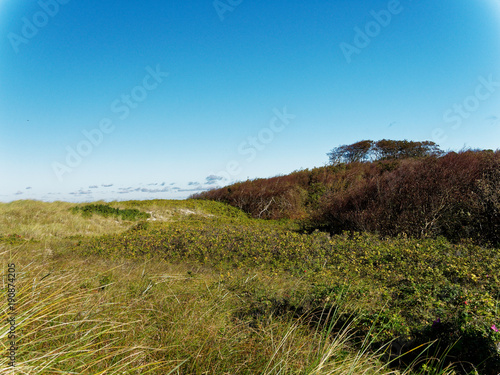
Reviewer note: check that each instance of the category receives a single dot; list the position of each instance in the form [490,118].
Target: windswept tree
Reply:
[383,150]
[357,152]
[389,149]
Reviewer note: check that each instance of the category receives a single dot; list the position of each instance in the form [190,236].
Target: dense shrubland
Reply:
[455,195]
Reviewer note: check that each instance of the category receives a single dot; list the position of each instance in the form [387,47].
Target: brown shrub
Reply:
[456,196]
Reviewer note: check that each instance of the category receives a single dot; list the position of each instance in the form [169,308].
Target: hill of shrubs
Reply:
[387,187]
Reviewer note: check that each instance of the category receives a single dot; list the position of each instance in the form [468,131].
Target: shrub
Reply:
[455,196]
[106,211]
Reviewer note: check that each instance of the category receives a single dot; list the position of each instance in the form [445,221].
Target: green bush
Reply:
[107,211]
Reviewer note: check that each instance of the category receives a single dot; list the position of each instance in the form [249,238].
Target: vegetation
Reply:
[408,189]
[200,287]
[387,264]
[106,211]
[382,150]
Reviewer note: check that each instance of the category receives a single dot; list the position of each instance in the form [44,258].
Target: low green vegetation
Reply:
[415,290]
[201,288]
[107,211]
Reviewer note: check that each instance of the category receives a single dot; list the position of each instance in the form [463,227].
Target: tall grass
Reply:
[66,326]
[86,316]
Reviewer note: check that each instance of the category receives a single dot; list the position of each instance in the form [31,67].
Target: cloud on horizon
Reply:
[213,179]
[81,192]
[159,190]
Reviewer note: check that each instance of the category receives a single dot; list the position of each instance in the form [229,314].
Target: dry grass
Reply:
[91,316]
[39,220]
[42,221]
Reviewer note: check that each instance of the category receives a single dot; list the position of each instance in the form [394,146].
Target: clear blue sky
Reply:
[180,96]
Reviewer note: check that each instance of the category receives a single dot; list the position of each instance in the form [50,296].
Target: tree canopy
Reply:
[382,150]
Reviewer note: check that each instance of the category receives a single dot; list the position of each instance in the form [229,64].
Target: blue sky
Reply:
[149,99]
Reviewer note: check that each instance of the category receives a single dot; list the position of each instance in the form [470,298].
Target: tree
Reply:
[383,150]
[357,152]
[388,149]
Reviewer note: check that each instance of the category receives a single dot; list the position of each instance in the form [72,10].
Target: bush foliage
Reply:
[107,211]
[454,195]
